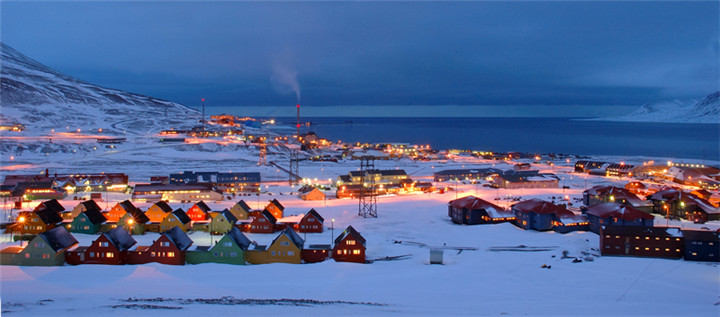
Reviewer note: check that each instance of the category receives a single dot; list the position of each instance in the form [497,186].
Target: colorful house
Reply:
[661,242]
[119,210]
[536,214]
[199,211]
[85,205]
[701,245]
[471,210]
[285,248]
[231,249]
[312,222]
[617,215]
[604,194]
[134,221]
[349,247]
[222,222]
[241,210]
[158,211]
[46,249]
[168,249]
[177,218]
[275,208]
[309,192]
[89,221]
[263,223]
[37,221]
[109,248]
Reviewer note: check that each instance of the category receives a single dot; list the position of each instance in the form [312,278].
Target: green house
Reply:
[133,223]
[89,221]
[46,249]
[230,250]
[222,222]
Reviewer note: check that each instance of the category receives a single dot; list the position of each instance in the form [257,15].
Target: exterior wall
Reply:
[205,195]
[36,253]
[698,250]
[225,251]
[309,224]
[596,223]
[542,222]
[101,251]
[315,255]
[257,257]
[196,214]
[135,228]
[32,225]
[220,225]
[349,250]
[161,251]
[283,250]
[641,245]
[81,224]
[155,214]
[115,213]
[523,220]
[239,212]
[171,221]
[315,194]
[261,225]
[275,211]
[570,228]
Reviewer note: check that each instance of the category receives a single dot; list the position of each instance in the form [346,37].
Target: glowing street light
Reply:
[21,220]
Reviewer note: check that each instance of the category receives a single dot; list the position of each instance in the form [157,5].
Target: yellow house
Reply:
[276,209]
[286,248]
[309,192]
[158,211]
[83,206]
[177,218]
[241,210]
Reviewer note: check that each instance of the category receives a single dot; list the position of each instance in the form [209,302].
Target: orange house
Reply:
[199,211]
[158,211]
[120,209]
[276,209]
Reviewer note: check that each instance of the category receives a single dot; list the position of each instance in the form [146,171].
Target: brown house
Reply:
[168,249]
[109,248]
[263,223]
[349,247]
[661,242]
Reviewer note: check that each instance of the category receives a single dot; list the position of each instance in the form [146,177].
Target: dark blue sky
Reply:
[379,53]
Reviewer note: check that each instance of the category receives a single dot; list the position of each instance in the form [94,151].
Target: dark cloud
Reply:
[379,53]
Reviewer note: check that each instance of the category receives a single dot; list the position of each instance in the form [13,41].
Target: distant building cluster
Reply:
[378,182]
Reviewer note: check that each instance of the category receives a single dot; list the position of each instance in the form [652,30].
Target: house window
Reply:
[171,220]
[291,253]
[110,255]
[86,227]
[82,219]
[311,219]
[227,244]
[233,254]
[285,243]
[351,242]
[171,254]
[45,256]
[152,254]
[39,245]
[356,252]
[92,254]
[272,253]
[164,244]
[103,244]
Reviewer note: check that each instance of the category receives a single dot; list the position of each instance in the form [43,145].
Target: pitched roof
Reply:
[614,210]
[95,216]
[350,231]
[48,216]
[163,206]
[306,189]
[293,236]
[181,215]
[52,204]
[278,204]
[701,235]
[637,230]
[265,213]
[179,238]
[138,215]
[541,207]
[240,239]
[315,214]
[473,203]
[91,204]
[127,206]
[228,215]
[204,207]
[120,238]
[58,238]
[244,205]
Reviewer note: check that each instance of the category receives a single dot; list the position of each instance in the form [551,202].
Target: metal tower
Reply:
[367,199]
[294,166]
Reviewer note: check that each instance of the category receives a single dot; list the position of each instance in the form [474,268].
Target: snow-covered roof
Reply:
[614,210]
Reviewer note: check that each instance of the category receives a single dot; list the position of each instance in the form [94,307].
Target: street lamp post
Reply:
[130,225]
[21,220]
[332,231]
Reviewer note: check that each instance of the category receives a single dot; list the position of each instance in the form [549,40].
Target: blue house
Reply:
[701,245]
[536,214]
[617,215]
[471,210]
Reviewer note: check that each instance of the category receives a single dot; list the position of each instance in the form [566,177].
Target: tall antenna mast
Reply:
[298,120]
[203,114]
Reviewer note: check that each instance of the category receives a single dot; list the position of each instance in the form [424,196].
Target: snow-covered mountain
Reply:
[40,97]
[678,111]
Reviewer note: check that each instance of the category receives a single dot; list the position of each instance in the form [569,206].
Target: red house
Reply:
[311,223]
[349,247]
[263,223]
[660,242]
[199,211]
[110,248]
[168,249]
[316,253]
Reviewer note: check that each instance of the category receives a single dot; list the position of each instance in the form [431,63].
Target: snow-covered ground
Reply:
[479,282]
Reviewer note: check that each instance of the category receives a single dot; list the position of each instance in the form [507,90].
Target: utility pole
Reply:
[203,114]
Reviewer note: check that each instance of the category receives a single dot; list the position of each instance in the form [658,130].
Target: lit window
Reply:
[171,254]
[110,255]
[356,252]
